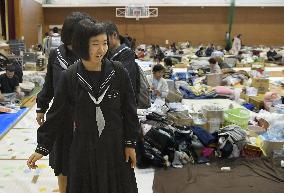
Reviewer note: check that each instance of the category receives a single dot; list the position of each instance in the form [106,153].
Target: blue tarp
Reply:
[7,119]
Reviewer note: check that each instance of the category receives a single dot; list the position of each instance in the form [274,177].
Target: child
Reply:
[214,67]
[159,86]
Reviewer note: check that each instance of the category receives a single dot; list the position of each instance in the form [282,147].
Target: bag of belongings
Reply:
[232,139]
[174,95]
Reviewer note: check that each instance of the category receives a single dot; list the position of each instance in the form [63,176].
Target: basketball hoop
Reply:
[137,12]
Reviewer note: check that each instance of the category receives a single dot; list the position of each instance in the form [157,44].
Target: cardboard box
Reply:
[30,66]
[257,101]
[239,65]
[180,65]
[257,66]
[214,79]
[245,97]
[247,65]
[213,114]
[261,84]
[269,146]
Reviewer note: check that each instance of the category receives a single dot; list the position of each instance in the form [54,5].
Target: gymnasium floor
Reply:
[15,177]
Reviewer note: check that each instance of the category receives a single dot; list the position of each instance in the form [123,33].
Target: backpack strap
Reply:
[72,78]
[118,68]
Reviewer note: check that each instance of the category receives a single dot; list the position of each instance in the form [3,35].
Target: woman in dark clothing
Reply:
[102,100]
[59,59]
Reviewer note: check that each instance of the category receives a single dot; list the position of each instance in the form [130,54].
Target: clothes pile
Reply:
[199,64]
[231,77]
[167,142]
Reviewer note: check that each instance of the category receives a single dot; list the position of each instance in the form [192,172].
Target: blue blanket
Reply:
[7,120]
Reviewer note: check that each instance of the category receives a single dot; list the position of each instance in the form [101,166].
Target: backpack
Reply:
[142,86]
[143,94]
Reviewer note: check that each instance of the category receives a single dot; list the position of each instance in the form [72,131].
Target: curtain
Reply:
[11,19]
[230,21]
[2,18]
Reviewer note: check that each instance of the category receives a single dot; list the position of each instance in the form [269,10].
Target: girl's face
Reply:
[97,47]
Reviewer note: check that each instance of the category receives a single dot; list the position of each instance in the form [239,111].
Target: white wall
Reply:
[171,2]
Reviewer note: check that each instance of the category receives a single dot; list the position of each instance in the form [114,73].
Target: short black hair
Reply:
[10,68]
[212,61]
[168,61]
[111,28]
[85,29]
[55,30]
[239,35]
[46,34]
[158,68]
[69,25]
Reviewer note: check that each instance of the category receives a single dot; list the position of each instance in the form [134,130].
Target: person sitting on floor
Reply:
[174,48]
[272,55]
[214,67]
[222,64]
[168,73]
[153,51]
[159,86]
[9,83]
[209,50]
[159,54]
[200,52]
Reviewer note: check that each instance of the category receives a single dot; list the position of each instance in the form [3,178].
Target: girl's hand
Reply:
[32,160]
